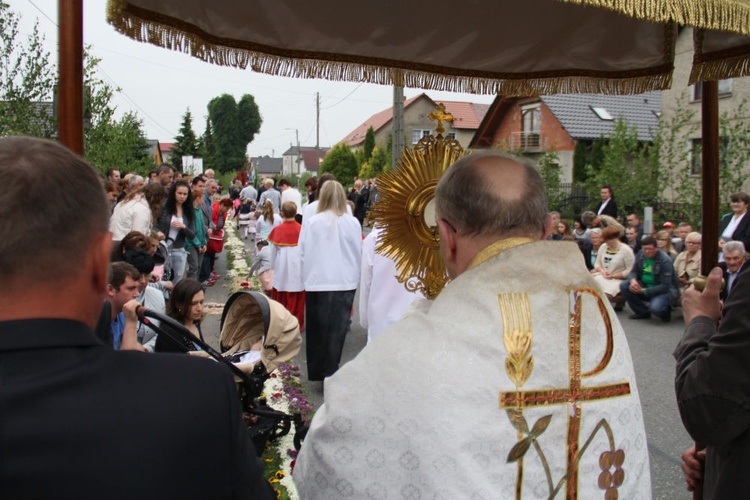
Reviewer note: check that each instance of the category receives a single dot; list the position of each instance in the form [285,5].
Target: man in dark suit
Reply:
[712,378]
[607,206]
[80,420]
[734,258]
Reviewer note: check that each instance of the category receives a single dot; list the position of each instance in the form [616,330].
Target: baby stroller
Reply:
[250,317]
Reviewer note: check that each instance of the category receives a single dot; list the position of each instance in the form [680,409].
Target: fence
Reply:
[569,199]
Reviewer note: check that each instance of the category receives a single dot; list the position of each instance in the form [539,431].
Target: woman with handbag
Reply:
[196,247]
[215,245]
[177,222]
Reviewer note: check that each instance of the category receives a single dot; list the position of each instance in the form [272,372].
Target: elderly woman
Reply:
[687,265]
[590,252]
[330,247]
[614,261]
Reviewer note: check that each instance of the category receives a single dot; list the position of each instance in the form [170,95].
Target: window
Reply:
[418,134]
[696,160]
[531,117]
[452,135]
[725,90]
[602,113]
[696,155]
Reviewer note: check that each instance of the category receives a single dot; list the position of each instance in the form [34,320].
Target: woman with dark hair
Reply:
[579,228]
[564,230]
[137,211]
[177,222]
[330,246]
[186,307]
[608,205]
[736,226]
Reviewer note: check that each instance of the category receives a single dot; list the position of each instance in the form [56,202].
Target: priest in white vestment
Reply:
[382,299]
[515,382]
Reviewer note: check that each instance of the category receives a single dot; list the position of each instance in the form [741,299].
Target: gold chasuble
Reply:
[515,382]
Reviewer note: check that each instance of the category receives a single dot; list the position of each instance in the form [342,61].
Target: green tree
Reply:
[207,147]
[369,144]
[596,158]
[630,167]
[233,127]
[186,143]
[230,152]
[119,143]
[734,153]
[681,191]
[579,162]
[249,118]
[341,162]
[549,168]
[26,80]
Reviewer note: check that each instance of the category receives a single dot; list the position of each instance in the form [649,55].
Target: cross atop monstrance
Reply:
[440,116]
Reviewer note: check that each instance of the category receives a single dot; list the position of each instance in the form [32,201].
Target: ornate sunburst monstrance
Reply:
[405,211]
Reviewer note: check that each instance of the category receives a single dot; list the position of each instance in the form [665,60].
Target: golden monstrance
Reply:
[405,209]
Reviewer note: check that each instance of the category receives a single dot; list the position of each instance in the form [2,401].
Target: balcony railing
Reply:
[525,141]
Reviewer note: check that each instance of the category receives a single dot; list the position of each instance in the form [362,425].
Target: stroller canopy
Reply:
[247,317]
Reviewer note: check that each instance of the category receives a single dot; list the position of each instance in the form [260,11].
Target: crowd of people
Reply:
[389,423]
[649,272]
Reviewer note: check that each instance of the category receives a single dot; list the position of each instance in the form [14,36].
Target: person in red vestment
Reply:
[288,288]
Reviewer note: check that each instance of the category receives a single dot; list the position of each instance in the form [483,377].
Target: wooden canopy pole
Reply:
[710,151]
[70,83]
[710,215]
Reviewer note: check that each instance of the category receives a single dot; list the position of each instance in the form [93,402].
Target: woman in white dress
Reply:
[330,246]
[614,261]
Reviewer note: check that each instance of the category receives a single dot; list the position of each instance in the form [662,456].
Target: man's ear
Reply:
[447,241]
[101,248]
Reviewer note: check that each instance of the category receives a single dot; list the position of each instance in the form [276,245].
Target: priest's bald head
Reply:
[486,197]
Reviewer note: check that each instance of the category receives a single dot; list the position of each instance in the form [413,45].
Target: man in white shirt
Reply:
[288,193]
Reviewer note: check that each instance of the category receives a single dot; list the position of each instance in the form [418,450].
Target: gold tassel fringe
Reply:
[721,15]
[148,27]
[719,70]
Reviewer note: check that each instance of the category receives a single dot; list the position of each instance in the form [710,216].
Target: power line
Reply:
[347,95]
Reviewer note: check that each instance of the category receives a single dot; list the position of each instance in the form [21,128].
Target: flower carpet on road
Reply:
[283,390]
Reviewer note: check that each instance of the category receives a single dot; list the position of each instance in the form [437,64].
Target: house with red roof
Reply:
[532,126]
[466,119]
[298,160]
[166,152]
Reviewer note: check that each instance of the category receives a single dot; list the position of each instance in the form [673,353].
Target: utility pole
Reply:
[398,123]
[317,131]
[299,156]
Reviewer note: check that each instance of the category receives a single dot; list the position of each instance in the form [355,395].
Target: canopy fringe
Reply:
[719,70]
[722,15]
[169,37]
